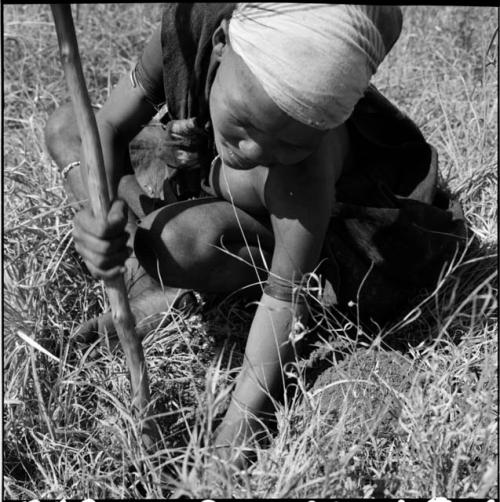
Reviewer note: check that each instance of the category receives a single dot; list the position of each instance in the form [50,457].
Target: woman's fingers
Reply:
[104,261]
[104,274]
[103,268]
[115,223]
[184,127]
[102,245]
[117,215]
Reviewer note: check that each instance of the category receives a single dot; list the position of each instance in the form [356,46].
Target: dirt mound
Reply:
[364,390]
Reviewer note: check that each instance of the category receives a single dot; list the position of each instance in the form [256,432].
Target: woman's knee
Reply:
[166,246]
[188,240]
[62,122]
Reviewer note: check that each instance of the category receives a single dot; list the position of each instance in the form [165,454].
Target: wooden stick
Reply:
[100,203]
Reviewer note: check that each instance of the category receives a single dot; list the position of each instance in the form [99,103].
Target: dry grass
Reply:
[414,423]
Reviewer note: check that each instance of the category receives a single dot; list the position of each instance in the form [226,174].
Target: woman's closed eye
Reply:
[293,148]
[289,153]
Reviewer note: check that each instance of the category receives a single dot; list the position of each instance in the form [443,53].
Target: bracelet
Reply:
[287,291]
[67,169]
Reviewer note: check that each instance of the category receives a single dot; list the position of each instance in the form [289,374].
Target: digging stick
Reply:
[100,203]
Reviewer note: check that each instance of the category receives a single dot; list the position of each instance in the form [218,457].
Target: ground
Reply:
[411,413]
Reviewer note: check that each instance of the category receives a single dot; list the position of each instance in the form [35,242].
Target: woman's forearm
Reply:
[119,120]
[268,349]
[115,156]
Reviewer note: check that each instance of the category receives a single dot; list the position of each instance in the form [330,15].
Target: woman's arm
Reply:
[128,108]
[299,200]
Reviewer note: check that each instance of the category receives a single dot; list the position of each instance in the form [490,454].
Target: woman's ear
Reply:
[220,39]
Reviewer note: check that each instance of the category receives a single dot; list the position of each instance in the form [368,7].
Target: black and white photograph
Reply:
[250,250]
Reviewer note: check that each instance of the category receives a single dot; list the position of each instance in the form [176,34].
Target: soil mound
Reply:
[365,389]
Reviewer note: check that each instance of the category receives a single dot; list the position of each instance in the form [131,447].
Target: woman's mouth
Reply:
[235,162]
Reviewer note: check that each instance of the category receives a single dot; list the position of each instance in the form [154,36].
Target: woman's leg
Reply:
[206,244]
[63,142]
[147,297]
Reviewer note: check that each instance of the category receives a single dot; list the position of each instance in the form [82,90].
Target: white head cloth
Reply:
[314,60]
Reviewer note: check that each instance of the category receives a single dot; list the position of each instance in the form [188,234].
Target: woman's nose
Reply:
[252,150]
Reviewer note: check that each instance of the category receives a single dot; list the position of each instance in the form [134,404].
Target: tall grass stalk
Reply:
[411,412]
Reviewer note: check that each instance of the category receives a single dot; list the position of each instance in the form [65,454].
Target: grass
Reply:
[420,421]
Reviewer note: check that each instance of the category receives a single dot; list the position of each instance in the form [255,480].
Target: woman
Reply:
[270,105]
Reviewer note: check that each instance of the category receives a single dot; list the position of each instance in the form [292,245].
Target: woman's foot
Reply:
[236,442]
[149,303]
[150,310]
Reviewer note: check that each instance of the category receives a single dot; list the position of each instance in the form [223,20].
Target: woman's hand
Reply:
[102,245]
[239,436]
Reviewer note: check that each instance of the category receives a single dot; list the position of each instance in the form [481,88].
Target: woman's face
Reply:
[249,128]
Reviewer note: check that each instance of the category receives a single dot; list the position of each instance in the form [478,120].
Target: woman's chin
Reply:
[235,163]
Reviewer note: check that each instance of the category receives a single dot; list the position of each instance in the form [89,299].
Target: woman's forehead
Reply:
[248,96]
[250,102]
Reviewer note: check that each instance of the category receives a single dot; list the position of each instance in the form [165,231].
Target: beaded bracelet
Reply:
[288,291]
[67,169]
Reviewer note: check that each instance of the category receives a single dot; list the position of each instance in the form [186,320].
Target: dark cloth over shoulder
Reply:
[392,230]
[186,41]
[184,148]
[186,38]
